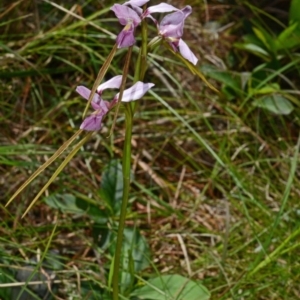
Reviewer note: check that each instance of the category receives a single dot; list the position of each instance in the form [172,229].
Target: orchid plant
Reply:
[130,15]
[102,107]
[170,28]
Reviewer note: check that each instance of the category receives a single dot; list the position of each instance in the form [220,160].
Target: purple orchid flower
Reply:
[102,107]
[171,27]
[130,18]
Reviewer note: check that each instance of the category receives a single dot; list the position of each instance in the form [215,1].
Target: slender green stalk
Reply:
[125,73]
[118,250]
[140,70]
[141,64]
[143,67]
[126,187]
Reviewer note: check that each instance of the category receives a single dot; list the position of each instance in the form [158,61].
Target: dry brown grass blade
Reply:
[100,76]
[58,170]
[44,166]
[192,68]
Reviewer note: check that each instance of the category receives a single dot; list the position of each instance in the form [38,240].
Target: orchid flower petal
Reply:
[137,91]
[103,105]
[85,93]
[137,9]
[126,37]
[97,101]
[138,3]
[161,8]
[172,25]
[187,10]
[186,52]
[113,83]
[126,15]
[92,122]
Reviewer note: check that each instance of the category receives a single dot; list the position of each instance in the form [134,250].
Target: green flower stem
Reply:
[141,64]
[141,67]
[126,187]
[125,74]
[143,51]
[126,179]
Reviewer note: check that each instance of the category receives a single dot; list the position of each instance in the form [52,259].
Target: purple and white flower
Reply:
[130,18]
[102,107]
[171,27]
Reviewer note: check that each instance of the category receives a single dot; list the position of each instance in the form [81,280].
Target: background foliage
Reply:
[215,193]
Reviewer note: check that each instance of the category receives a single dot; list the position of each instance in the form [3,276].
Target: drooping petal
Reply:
[113,83]
[137,91]
[186,52]
[126,37]
[92,122]
[161,8]
[126,15]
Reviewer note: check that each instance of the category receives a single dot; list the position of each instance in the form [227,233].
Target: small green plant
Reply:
[127,247]
[265,85]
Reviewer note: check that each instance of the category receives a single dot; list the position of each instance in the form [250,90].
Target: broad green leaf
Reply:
[94,212]
[267,89]
[228,93]
[286,33]
[287,38]
[137,245]
[135,253]
[294,16]
[102,235]
[255,49]
[135,256]
[67,203]
[261,36]
[112,186]
[93,290]
[252,39]
[172,287]
[265,37]
[275,103]
[291,42]
[229,79]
